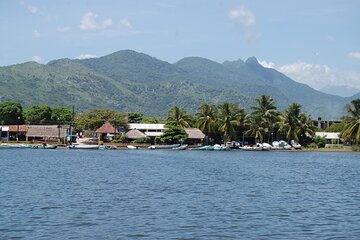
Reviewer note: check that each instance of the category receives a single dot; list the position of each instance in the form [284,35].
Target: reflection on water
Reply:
[60,194]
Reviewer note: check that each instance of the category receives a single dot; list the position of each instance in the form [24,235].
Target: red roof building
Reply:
[106,128]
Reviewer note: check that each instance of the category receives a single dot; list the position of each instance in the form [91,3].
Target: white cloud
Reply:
[125,23]
[88,22]
[86,56]
[36,33]
[37,59]
[242,16]
[63,29]
[32,9]
[245,20]
[355,55]
[315,75]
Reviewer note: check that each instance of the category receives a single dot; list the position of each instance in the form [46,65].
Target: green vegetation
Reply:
[220,123]
[128,81]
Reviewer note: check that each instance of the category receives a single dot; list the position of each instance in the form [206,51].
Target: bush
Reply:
[312,145]
[142,140]
[355,148]
[320,141]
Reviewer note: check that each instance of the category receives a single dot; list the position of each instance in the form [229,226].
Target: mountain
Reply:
[131,81]
[343,91]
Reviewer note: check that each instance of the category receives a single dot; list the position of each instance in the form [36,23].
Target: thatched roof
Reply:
[106,128]
[46,131]
[194,133]
[18,128]
[135,134]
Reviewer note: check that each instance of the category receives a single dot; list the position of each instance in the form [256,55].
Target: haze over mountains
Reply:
[130,81]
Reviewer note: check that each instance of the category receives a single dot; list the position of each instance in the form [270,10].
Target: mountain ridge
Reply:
[127,80]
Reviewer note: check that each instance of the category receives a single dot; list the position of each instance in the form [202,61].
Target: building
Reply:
[46,132]
[150,130]
[106,132]
[195,136]
[332,138]
[323,124]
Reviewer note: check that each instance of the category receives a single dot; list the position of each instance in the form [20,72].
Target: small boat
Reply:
[284,145]
[206,147]
[266,147]
[171,146]
[218,147]
[15,145]
[256,147]
[181,147]
[84,146]
[131,147]
[295,145]
[44,146]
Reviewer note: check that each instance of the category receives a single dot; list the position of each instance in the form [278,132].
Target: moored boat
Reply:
[84,146]
[164,146]
[181,147]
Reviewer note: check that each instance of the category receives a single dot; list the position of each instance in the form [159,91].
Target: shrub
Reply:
[312,145]
[355,148]
[320,141]
[142,140]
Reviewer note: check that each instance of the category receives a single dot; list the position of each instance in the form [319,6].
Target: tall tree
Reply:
[289,121]
[266,113]
[207,119]
[178,117]
[61,115]
[38,114]
[135,117]
[255,127]
[230,116]
[11,113]
[95,118]
[352,127]
[305,127]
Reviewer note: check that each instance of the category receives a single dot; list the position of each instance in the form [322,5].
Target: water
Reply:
[64,194]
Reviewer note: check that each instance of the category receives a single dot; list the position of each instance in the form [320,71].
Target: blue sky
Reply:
[313,41]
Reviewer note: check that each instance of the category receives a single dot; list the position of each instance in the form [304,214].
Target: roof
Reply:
[18,128]
[194,133]
[328,135]
[46,131]
[146,126]
[135,134]
[106,128]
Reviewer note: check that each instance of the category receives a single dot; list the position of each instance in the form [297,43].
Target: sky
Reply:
[316,42]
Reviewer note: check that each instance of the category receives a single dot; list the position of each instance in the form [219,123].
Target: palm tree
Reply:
[266,113]
[230,116]
[352,127]
[305,127]
[178,117]
[255,127]
[289,121]
[207,119]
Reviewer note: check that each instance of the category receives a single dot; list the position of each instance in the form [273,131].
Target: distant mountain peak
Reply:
[252,60]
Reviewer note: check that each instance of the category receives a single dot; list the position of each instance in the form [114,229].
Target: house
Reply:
[149,129]
[332,138]
[195,136]
[46,132]
[106,131]
[323,124]
[13,132]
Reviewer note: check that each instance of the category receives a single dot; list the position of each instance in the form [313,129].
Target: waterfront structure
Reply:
[106,132]
[149,129]
[332,138]
[324,124]
[195,136]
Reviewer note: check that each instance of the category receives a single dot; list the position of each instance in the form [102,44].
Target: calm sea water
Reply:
[64,194]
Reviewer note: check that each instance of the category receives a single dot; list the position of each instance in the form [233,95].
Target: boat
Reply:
[256,147]
[44,146]
[266,147]
[295,145]
[84,146]
[164,146]
[206,147]
[15,145]
[131,147]
[181,147]
[218,147]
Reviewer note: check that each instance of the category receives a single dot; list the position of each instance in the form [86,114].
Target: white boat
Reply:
[266,147]
[15,145]
[256,147]
[84,146]
[181,147]
[171,146]
[295,145]
[131,147]
[218,147]
[45,146]
[284,145]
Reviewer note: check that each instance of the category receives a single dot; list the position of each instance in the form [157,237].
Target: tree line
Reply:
[220,123]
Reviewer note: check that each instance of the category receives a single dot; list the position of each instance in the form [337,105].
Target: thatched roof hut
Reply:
[106,128]
[135,134]
[194,133]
